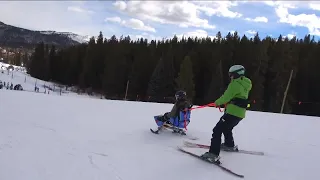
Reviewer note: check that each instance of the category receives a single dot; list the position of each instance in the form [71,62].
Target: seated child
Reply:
[181,104]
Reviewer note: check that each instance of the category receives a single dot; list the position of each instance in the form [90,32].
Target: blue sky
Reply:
[163,19]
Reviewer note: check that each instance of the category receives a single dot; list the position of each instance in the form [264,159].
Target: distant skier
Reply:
[181,104]
[235,99]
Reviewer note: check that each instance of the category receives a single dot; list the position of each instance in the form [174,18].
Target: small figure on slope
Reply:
[173,118]
[235,99]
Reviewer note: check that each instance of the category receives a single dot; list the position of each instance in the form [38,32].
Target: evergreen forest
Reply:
[154,70]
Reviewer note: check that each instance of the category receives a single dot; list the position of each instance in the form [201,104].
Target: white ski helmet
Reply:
[236,71]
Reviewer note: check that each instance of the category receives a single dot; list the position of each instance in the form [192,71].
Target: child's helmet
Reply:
[180,95]
[236,71]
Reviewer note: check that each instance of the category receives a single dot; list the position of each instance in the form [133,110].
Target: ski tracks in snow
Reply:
[109,167]
[7,144]
[97,160]
[43,127]
[92,163]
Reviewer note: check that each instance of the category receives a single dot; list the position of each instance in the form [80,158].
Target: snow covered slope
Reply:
[21,77]
[61,137]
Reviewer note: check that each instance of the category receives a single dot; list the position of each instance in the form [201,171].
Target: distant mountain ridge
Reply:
[12,36]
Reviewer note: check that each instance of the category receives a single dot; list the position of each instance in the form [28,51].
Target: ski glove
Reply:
[166,116]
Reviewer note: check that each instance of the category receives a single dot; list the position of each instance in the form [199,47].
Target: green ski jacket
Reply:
[237,89]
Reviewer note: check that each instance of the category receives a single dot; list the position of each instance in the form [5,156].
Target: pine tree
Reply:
[216,84]
[161,83]
[185,79]
[37,64]
[17,59]
[86,76]
[152,69]
[25,59]
[51,62]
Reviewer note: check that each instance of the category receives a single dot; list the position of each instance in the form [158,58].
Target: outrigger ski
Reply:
[217,164]
[196,145]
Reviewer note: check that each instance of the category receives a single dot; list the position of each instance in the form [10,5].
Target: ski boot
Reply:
[211,157]
[229,149]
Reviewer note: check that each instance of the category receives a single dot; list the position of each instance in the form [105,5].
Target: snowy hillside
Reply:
[28,83]
[19,76]
[4,66]
[17,37]
[73,36]
[61,137]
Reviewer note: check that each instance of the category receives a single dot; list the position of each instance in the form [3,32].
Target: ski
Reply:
[174,132]
[160,128]
[217,164]
[154,131]
[196,145]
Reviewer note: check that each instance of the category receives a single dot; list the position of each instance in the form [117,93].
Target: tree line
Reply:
[16,57]
[157,69]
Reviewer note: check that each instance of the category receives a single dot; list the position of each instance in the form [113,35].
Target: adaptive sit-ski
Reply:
[177,124]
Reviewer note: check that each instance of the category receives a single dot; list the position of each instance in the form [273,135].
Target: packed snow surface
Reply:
[44,137]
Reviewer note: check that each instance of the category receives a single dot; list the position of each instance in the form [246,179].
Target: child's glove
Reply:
[166,116]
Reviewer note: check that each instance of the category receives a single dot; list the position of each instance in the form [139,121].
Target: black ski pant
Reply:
[225,125]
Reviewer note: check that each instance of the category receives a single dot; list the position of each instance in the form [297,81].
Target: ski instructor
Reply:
[235,99]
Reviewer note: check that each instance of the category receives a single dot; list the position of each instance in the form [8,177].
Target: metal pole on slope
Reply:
[285,92]
[125,97]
